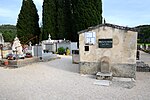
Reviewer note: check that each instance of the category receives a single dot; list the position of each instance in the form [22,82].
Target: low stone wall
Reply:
[27,61]
[118,70]
[124,70]
[22,62]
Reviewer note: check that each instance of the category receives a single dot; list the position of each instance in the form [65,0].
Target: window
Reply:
[90,38]
[86,48]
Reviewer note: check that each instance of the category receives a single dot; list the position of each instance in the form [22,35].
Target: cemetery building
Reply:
[108,48]
[53,45]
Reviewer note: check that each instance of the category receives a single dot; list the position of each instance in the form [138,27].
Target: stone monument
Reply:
[16,47]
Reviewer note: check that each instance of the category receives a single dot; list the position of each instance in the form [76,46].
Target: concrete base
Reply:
[104,76]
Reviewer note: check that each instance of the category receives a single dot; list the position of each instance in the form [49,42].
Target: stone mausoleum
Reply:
[108,48]
[53,45]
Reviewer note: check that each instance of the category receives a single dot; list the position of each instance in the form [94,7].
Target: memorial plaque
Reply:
[90,38]
[105,43]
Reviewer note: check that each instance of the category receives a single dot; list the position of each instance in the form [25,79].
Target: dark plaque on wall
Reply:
[105,43]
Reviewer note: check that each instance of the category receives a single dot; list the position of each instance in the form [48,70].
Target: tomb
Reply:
[108,50]
[17,47]
[53,45]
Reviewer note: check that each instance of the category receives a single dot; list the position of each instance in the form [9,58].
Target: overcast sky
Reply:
[121,12]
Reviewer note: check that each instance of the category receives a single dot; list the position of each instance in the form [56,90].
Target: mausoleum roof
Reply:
[108,25]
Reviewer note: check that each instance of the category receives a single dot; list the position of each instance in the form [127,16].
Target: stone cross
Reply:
[49,37]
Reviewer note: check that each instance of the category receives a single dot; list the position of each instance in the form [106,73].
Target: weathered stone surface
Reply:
[124,70]
[118,70]
[105,65]
[89,67]
[121,57]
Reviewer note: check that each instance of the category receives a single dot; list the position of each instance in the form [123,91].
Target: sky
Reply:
[120,12]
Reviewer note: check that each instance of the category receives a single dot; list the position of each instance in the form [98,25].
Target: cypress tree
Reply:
[27,23]
[49,20]
[53,19]
[70,16]
[98,4]
[87,13]
[68,20]
[60,29]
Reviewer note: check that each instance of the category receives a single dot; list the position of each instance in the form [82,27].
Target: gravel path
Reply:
[59,80]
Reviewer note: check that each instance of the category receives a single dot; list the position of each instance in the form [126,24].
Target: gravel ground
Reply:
[59,80]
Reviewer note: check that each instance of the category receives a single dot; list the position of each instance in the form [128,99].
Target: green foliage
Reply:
[143,33]
[27,24]
[61,50]
[64,18]
[9,32]
[49,13]
[88,13]
[53,19]
[147,51]
[68,20]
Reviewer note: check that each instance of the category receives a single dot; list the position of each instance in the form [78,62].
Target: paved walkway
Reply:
[145,57]
[59,80]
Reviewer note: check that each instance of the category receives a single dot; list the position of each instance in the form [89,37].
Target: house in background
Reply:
[108,48]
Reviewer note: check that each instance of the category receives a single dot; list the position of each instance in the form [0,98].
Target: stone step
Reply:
[104,76]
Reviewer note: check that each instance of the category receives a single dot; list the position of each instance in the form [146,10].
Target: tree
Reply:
[53,19]
[9,32]
[60,29]
[86,13]
[64,18]
[27,23]
[49,13]
[143,33]
[68,20]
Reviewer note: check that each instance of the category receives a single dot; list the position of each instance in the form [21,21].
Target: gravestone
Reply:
[105,73]
[17,47]
[105,68]
[37,51]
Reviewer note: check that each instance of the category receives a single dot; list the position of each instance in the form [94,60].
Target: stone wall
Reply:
[118,70]
[121,57]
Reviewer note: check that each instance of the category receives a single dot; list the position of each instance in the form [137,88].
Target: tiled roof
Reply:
[108,25]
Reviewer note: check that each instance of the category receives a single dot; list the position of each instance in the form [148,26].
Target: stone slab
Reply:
[102,82]
[104,74]
[122,79]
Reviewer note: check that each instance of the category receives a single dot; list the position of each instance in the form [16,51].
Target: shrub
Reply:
[147,51]
[61,50]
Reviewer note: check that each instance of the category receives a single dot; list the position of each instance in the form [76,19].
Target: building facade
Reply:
[108,47]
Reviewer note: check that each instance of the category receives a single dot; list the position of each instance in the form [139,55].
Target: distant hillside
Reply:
[144,33]
[8,31]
